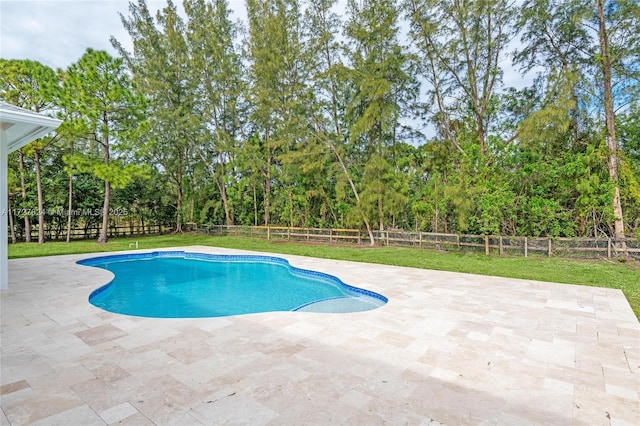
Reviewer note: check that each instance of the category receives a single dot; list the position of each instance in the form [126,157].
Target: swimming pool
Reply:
[177,284]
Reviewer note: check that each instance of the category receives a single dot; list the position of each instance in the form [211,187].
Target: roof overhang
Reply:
[19,126]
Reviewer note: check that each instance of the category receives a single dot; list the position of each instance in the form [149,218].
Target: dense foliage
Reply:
[393,114]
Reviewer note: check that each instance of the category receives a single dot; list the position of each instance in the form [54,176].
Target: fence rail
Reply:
[85,233]
[489,244]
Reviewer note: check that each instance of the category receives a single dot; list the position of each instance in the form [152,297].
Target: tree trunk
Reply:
[11,224]
[223,195]
[105,214]
[70,204]
[107,187]
[23,187]
[481,135]
[178,177]
[267,191]
[610,119]
[225,202]
[290,209]
[179,208]
[380,213]
[255,206]
[40,198]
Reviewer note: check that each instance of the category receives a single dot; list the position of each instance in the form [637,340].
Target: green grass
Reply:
[599,273]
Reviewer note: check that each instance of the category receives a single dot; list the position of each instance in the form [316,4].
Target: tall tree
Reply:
[384,88]
[618,22]
[217,73]
[160,65]
[277,72]
[331,94]
[98,87]
[31,85]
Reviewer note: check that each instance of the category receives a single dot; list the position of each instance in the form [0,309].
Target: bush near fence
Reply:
[487,244]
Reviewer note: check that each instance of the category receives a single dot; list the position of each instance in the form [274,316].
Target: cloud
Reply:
[57,32]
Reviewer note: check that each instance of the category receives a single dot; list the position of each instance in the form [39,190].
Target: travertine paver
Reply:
[447,349]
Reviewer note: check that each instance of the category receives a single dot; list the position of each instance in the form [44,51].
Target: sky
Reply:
[57,32]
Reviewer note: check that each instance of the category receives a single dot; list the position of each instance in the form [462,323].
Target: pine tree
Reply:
[217,73]
[384,89]
[160,65]
[99,90]
[33,86]
[277,91]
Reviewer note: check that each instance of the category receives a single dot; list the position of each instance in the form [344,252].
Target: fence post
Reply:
[386,236]
[420,245]
[458,241]
[486,245]
[526,248]
[359,237]
[500,245]
[307,234]
[330,235]
[609,247]
[268,232]
[549,250]
[289,234]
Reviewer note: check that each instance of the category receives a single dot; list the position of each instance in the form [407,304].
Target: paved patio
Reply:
[448,348]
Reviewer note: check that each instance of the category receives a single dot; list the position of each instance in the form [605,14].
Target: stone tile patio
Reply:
[447,349]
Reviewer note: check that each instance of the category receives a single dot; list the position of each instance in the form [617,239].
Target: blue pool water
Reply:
[194,285]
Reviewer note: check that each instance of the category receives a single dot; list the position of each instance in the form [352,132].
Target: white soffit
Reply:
[20,126]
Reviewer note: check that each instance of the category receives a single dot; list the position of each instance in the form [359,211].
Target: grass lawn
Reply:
[599,273]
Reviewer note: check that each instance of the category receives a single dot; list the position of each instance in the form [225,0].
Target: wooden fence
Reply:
[488,244]
[90,232]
